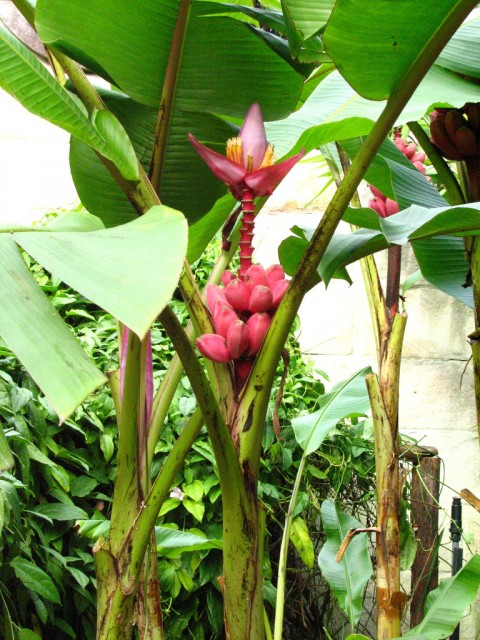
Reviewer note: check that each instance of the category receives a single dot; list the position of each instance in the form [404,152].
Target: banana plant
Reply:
[166,63]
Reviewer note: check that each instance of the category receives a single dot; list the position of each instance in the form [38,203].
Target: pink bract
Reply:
[251,162]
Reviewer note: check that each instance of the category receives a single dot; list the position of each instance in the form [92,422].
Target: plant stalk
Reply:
[282,562]
[168,95]
[384,393]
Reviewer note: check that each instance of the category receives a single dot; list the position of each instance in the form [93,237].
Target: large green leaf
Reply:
[374,44]
[309,16]
[42,342]
[346,398]
[343,249]
[396,177]
[419,222]
[216,50]
[128,43]
[333,111]
[130,271]
[462,53]
[347,578]
[446,604]
[443,263]
[187,184]
[25,78]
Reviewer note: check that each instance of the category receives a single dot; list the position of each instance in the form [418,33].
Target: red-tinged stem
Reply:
[393,280]
[246,232]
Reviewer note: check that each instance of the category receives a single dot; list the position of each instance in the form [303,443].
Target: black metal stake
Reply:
[457,551]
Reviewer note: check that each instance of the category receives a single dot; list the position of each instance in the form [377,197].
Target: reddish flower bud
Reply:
[215,294]
[242,371]
[400,142]
[256,274]
[377,193]
[223,317]
[237,339]
[421,167]
[257,328]
[410,150]
[273,273]
[227,276]
[391,207]
[420,156]
[213,347]
[261,299]
[378,205]
[237,295]
[278,291]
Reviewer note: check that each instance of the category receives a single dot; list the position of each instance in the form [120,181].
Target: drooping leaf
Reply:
[302,541]
[343,249]
[35,579]
[396,177]
[6,457]
[34,331]
[443,263]
[130,271]
[418,222]
[309,16]
[446,604]
[25,78]
[374,59]
[346,398]
[347,578]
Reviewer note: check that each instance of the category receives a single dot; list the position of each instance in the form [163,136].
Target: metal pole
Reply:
[457,551]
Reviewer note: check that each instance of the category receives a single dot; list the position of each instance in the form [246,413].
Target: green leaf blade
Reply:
[346,578]
[130,271]
[346,398]
[35,579]
[30,326]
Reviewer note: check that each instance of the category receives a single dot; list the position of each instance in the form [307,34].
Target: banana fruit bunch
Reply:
[456,132]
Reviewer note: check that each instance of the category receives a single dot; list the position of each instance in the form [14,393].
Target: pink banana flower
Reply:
[248,163]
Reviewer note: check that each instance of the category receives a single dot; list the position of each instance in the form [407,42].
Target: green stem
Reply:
[125,500]
[268,630]
[242,515]
[254,405]
[453,190]
[282,562]
[138,537]
[168,94]
[169,384]
[228,467]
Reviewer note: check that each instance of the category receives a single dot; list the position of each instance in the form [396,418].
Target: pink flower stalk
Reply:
[248,170]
